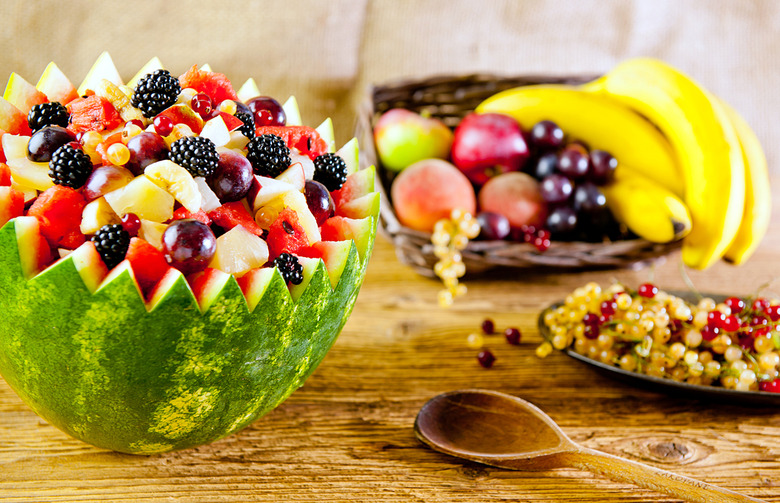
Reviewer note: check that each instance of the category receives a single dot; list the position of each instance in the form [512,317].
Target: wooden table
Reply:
[346,435]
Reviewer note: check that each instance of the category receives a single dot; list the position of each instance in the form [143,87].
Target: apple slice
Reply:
[216,131]
[152,232]
[248,90]
[151,65]
[292,112]
[209,200]
[183,114]
[12,120]
[56,86]
[177,181]
[22,94]
[239,251]
[294,175]
[144,198]
[103,68]
[325,131]
[269,189]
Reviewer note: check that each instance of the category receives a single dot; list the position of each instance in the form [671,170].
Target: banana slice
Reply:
[177,181]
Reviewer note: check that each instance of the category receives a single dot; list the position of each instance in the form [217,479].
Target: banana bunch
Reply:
[690,166]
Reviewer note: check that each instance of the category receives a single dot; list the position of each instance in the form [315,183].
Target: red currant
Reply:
[542,244]
[760,304]
[201,104]
[590,319]
[136,122]
[591,331]
[647,290]
[608,307]
[773,312]
[131,223]
[675,326]
[512,335]
[486,358]
[735,304]
[709,332]
[716,319]
[759,321]
[488,327]
[163,125]
[770,386]
[731,324]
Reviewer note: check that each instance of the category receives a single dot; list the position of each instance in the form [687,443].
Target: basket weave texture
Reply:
[450,98]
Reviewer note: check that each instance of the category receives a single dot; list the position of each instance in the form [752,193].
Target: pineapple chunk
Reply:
[34,175]
[96,214]
[238,251]
[152,232]
[294,175]
[15,146]
[177,181]
[144,198]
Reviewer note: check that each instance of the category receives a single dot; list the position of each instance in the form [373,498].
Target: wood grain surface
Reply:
[346,435]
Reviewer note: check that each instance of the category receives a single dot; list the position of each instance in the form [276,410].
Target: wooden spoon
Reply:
[501,430]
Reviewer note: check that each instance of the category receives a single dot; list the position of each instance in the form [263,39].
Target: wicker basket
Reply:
[450,98]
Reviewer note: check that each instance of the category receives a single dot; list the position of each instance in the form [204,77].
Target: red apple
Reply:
[487,145]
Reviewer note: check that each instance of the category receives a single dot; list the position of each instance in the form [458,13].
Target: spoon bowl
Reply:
[505,431]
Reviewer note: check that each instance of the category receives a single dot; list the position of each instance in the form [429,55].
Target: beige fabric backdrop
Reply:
[326,53]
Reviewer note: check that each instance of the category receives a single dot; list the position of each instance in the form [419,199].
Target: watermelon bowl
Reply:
[138,350]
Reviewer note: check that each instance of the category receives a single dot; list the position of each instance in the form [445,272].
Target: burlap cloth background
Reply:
[326,52]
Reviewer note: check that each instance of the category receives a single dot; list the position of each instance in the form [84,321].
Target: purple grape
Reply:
[561,221]
[44,142]
[573,162]
[319,201]
[602,167]
[556,188]
[232,178]
[267,111]
[145,148]
[492,226]
[546,135]
[189,245]
[588,198]
[546,165]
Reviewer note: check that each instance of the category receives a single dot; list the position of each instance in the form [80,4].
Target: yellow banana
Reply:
[705,141]
[648,209]
[758,196]
[601,122]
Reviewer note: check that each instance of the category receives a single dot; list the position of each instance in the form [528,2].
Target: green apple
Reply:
[403,137]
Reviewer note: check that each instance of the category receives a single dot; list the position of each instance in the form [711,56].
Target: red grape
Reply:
[104,179]
[492,226]
[588,198]
[556,188]
[546,165]
[145,148]
[189,245]
[602,167]
[561,220]
[319,201]
[232,178]
[547,135]
[573,162]
[267,111]
[44,142]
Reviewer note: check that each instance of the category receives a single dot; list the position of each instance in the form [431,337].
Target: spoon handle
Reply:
[632,472]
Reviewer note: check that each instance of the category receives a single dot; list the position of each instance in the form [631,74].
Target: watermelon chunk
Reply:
[93,113]
[5,174]
[358,184]
[13,120]
[59,209]
[303,138]
[232,214]
[11,203]
[148,263]
[215,85]
[22,94]
[183,213]
[286,235]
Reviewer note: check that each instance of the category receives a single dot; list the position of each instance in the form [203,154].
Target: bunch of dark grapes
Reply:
[570,174]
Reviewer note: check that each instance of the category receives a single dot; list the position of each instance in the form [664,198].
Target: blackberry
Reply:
[70,166]
[291,269]
[47,114]
[248,129]
[155,92]
[196,154]
[269,155]
[111,242]
[330,170]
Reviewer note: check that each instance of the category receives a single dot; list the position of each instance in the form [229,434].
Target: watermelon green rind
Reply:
[106,369]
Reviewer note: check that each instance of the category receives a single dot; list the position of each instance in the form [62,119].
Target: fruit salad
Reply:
[176,256]
[177,172]
[734,344]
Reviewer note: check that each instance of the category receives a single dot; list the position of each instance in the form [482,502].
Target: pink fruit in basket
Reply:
[428,191]
[487,145]
[516,196]
[403,137]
